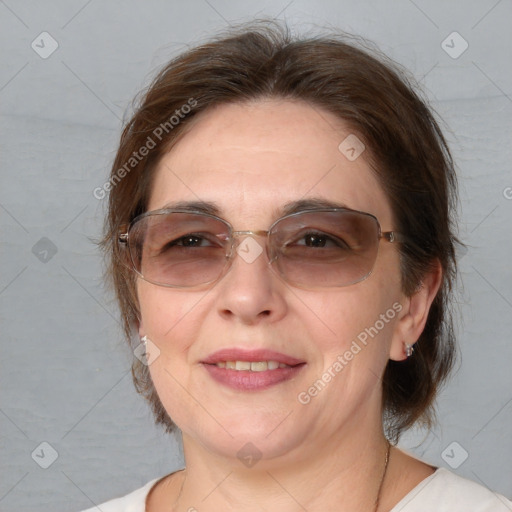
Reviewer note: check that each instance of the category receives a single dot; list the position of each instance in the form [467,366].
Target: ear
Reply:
[141,328]
[414,313]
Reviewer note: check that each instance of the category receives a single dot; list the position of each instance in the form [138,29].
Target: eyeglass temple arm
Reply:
[392,236]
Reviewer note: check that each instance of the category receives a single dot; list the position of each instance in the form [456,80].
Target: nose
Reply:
[251,292]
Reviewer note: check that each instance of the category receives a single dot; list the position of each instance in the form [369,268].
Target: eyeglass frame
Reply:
[124,231]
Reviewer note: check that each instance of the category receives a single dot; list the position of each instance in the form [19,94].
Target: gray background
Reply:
[65,376]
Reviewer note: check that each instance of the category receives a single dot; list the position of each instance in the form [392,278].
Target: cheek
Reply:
[162,309]
[347,315]
[350,359]
[166,316]
[358,323]
[173,320]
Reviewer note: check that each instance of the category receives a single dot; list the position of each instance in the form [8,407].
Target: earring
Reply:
[409,349]
[151,351]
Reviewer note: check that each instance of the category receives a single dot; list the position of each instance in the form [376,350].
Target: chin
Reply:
[256,436]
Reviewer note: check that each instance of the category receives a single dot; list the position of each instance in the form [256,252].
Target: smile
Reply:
[251,370]
[253,366]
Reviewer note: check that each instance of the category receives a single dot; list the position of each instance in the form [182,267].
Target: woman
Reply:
[280,238]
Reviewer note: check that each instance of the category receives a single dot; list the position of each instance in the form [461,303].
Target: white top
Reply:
[442,491]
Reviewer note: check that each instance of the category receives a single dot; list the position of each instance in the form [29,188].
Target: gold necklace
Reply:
[386,461]
[383,476]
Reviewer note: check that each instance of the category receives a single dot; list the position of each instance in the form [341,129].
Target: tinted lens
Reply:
[179,249]
[325,248]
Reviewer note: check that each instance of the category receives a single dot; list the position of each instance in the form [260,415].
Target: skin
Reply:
[250,159]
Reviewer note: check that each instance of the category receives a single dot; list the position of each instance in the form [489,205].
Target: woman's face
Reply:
[250,160]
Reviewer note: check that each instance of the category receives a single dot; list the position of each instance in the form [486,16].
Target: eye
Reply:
[320,240]
[191,240]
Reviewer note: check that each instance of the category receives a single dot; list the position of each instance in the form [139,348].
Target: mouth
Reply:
[251,366]
[252,370]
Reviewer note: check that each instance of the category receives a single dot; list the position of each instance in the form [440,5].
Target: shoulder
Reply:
[445,491]
[133,502]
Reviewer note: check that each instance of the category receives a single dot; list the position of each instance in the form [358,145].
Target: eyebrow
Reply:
[311,203]
[208,207]
[212,208]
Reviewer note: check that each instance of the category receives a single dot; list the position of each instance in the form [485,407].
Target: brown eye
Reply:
[319,240]
[189,241]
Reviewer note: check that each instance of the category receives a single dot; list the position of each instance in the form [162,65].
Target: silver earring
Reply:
[409,349]
[144,340]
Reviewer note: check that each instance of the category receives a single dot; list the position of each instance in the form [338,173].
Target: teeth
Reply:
[254,366]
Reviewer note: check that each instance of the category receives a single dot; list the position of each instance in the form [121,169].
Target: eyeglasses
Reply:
[309,249]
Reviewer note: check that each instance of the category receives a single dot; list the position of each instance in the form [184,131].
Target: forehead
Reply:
[252,159]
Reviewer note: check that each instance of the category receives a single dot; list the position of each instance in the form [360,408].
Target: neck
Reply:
[341,470]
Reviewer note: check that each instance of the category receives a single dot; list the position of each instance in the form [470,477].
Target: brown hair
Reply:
[408,154]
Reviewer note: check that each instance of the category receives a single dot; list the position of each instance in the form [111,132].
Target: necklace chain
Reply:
[386,461]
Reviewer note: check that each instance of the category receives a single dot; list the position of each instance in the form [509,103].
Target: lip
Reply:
[249,380]
[235,354]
